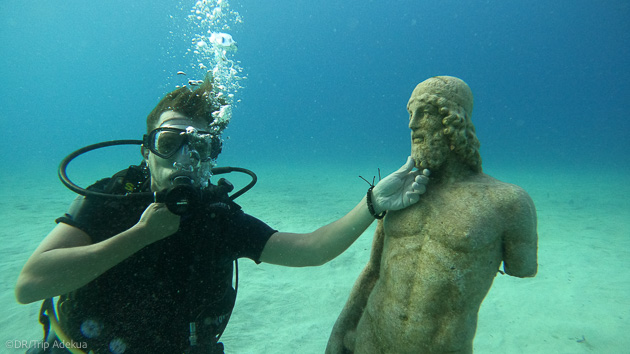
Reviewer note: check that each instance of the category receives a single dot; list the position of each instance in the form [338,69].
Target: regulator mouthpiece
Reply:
[181,197]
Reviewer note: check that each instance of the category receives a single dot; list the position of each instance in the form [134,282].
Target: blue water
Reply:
[327,84]
[327,81]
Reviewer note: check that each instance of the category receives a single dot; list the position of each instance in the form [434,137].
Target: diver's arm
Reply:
[396,191]
[66,259]
[319,246]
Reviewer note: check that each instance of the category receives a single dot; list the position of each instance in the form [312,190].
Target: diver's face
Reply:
[164,170]
[429,146]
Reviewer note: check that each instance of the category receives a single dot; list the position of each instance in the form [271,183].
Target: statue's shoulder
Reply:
[509,195]
[506,191]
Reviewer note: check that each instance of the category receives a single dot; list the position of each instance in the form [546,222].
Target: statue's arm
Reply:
[520,240]
[343,333]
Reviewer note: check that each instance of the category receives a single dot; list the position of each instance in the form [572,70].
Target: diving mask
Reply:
[167,141]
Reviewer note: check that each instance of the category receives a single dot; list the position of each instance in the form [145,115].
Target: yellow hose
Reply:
[56,327]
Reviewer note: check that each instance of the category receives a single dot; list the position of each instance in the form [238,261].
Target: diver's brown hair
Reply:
[197,104]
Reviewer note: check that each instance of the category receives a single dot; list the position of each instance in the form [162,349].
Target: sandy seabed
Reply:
[578,303]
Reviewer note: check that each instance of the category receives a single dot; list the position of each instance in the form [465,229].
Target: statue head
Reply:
[440,111]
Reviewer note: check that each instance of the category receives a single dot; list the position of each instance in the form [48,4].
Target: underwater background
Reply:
[323,101]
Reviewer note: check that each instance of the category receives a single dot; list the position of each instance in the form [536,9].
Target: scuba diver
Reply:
[143,262]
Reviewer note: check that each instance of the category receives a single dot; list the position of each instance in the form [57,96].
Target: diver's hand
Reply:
[400,189]
[157,222]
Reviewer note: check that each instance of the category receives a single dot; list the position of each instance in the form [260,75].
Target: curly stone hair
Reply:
[458,128]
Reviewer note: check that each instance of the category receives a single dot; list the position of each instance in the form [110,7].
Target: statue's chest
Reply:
[459,220]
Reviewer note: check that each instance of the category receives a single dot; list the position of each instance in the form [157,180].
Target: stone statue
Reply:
[433,263]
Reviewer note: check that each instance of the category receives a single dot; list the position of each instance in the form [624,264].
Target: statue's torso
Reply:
[439,259]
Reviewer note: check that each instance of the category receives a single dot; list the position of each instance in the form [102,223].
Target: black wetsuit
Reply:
[146,303]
